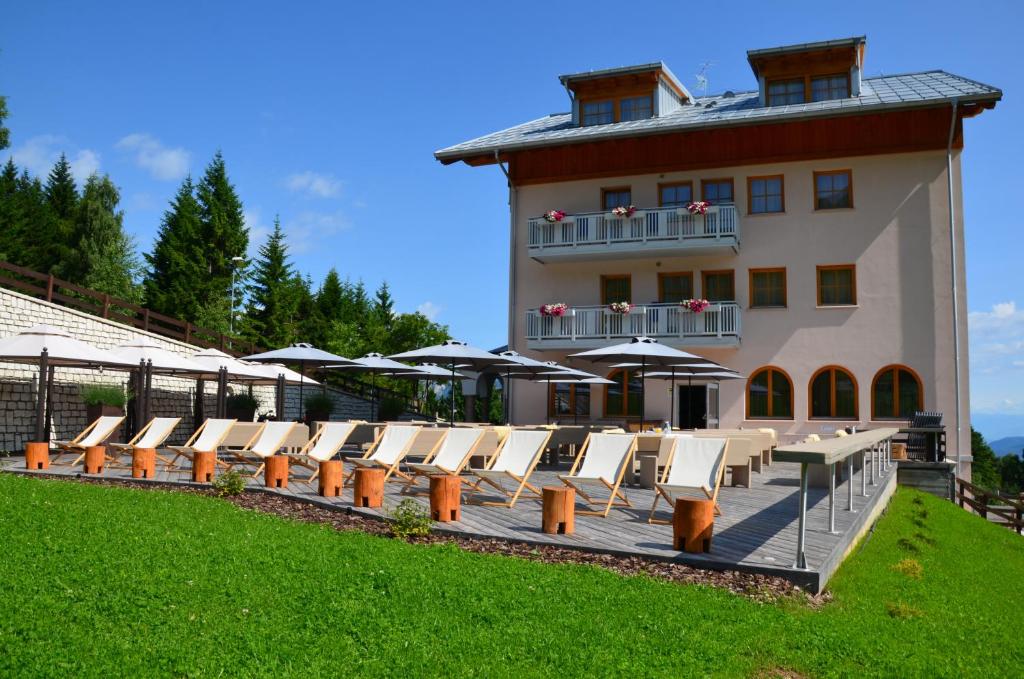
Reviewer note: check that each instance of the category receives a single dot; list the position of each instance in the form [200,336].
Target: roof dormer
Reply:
[817,71]
[622,94]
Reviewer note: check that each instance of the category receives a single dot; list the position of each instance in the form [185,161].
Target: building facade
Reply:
[820,216]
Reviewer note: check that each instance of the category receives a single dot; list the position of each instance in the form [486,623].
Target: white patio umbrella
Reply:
[648,352]
[301,354]
[374,364]
[453,354]
[48,346]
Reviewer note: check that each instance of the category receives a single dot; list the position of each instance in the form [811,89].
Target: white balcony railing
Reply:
[719,323]
[659,227]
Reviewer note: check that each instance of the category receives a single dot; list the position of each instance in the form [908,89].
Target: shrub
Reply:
[229,483]
[410,518]
[319,403]
[242,401]
[103,395]
[391,407]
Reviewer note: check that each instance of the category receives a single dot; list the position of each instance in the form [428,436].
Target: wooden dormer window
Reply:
[783,92]
[598,113]
[830,87]
[635,108]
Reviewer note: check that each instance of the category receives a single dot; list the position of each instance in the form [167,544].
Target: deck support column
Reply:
[849,483]
[801,559]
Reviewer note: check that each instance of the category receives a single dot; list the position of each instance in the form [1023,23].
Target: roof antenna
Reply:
[702,77]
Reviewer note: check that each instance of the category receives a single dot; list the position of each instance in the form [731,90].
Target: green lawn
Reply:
[107,581]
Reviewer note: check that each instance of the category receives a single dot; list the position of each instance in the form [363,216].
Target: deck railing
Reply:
[658,224]
[663,321]
[1007,508]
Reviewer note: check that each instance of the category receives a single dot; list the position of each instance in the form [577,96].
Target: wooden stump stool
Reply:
[275,471]
[37,455]
[204,465]
[332,473]
[95,459]
[369,487]
[899,451]
[692,525]
[445,498]
[559,512]
[143,463]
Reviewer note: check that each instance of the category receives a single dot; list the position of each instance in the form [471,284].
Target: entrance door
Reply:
[712,406]
[693,406]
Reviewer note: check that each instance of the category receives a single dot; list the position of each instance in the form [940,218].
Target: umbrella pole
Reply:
[302,403]
[507,394]
[547,402]
[672,401]
[44,364]
[689,397]
[49,401]
[643,389]
[373,396]
[146,409]
[197,405]
[451,423]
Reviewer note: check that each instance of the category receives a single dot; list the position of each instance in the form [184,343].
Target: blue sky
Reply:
[328,114]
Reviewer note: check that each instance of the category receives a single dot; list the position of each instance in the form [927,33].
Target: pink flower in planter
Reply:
[699,207]
[624,211]
[620,307]
[557,309]
[554,216]
[695,305]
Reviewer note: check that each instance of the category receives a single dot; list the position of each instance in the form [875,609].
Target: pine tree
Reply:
[985,467]
[106,258]
[57,234]
[272,293]
[384,307]
[37,222]
[177,273]
[12,231]
[306,324]
[223,232]
[5,134]
[330,296]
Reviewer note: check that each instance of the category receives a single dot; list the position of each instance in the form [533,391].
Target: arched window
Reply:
[833,394]
[896,393]
[569,400]
[769,395]
[622,399]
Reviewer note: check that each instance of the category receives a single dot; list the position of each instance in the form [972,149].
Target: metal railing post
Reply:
[863,474]
[871,466]
[801,559]
[832,498]
[849,483]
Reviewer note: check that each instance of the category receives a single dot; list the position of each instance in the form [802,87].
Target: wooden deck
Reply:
[757,531]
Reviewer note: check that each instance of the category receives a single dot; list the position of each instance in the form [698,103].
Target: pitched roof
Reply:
[929,88]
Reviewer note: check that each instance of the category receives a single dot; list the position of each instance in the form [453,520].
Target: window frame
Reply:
[804,85]
[897,367]
[583,115]
[833,173]
[771,415]
[672,185]
[553,390]
[836,267]
[605,190]
[809,95]
[750,194]
[704,284]
[624,382]
[718,180]
[662,275]
[617,108]
[832,395]
[785,288]
[612,277]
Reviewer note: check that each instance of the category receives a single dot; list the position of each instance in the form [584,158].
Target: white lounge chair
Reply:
[514,460]
[451,458]
[152,435]
[602,461]
[388,451]
[324,445]
[697,465]
[207,439]
[266,443]
[93,435]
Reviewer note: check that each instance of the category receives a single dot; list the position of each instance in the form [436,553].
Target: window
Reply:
[716,190]
[635,108]
[623,398]
[782,92]
[896,393]
[767,288]
[569,400]
[598,113]
[675,195]
[613,198]
[837,285]
[830,87]
[765,194]
[833,190]
[833,394]
[718,286]
[675,287]
[769,395]
[616,288]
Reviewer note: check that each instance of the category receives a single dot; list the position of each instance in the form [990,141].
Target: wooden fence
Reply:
[1009,510]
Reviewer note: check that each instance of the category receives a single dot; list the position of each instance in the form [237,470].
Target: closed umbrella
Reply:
[301,354]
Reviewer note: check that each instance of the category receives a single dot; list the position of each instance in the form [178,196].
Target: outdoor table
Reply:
[693,522]
[559,510]
[37,455]
[143,463]
[275,471]
[330,480]
[95,458]
[368,490]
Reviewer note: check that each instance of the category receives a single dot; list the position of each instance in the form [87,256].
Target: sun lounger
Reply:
[697,466]
[93,435]
[388,451]
[602,461]
[514,461]
[270,439]
[324,445]
[207,439]
[152,435]
[458,446]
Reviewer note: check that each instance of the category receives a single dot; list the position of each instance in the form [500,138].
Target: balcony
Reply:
[658,232]
[590,327]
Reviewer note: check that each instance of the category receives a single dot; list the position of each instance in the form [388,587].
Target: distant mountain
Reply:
[1011,445]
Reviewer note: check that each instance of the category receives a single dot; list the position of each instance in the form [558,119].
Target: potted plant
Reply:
[104,400]
[623,211]
[318,408]
[242,407]
[557,309]
[553,216]
[695,305]
[620,307]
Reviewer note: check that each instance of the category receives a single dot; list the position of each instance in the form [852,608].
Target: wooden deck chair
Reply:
[514,460]
[152,435]
[388,451]
[206,439]
[266,443]
[602,461]
[324,445]
[93,435]
[451,458]
[696,465]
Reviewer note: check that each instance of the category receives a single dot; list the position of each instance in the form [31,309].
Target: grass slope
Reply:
[102,581]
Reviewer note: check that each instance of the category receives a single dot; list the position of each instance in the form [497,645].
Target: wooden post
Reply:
[106,306]
[331,477]
[559,512]
[95,457]
[145,320]
[275,471]
[203,466]
[445,498]
[369,487]
[692,525]
[49,288]
[37,455]
[143,463]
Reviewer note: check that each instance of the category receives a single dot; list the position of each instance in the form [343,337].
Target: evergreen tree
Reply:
[57,234]
[5,134]
[223,232]
[307,324]
[330,296]
[177,273]
[984,468]
[12,228]
[106,259]
[273,293]
[36,221]
[384,307]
